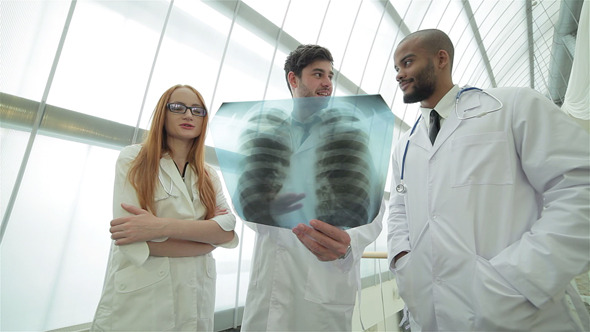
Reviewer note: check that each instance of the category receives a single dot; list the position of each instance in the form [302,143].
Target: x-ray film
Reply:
[286,162]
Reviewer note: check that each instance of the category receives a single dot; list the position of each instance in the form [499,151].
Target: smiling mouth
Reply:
[186,125]
[403,85]
[323,93]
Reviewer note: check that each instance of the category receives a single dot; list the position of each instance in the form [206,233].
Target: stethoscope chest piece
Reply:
[400,188]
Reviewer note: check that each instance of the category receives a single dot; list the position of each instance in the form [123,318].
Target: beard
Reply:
[424,85]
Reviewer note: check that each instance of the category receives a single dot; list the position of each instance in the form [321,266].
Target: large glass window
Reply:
[97,91]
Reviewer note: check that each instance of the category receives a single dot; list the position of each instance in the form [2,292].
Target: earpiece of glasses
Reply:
[181,109]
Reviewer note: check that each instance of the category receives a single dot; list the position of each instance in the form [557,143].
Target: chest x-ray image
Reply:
[288,161]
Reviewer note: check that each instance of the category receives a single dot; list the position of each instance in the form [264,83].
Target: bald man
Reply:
[491,221]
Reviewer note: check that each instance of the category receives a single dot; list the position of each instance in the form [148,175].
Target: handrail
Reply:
[375,254]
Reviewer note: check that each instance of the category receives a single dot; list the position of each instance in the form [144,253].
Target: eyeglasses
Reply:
[181,109]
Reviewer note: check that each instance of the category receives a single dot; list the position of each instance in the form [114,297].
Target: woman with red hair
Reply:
[170,213]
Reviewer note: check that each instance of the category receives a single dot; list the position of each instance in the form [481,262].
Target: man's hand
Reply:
[286,203]
[325,241]
[142,226]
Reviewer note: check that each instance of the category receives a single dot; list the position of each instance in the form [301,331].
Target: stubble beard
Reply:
[424,85]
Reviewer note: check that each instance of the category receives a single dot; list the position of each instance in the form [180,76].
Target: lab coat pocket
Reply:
[340,289]
[211,269]
[405,285]
[481,159]
[144,297]
[206,304]
[497,305]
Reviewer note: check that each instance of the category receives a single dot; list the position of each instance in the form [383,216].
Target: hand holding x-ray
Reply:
[285,203]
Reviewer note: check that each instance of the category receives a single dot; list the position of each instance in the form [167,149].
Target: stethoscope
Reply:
[500,104]
[168,191]
[401,187]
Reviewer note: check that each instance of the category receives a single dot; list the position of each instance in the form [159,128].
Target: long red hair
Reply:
[143,174]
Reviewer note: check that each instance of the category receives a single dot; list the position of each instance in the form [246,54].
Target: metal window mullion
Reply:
[274,53]
[371,49]
[479,42]
[531,41]
[323,21]
[221,62]
[37,123]
[147,86]
[346,48]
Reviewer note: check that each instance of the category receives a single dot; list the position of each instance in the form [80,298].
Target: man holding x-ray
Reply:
[304,279]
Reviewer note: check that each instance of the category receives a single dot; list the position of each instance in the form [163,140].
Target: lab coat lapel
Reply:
[420,136]
[452,122]
[169,168]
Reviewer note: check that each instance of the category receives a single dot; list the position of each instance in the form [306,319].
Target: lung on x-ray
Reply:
[289,161]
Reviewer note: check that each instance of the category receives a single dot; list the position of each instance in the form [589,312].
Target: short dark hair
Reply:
[302,56]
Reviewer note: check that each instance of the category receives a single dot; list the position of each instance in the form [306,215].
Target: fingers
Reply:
[323,240]
[118,221]
[291,198]
[123,233]
[117,230]
[327,235]
[292,208]
[118,234]
[220,211]
[314,247]
[286,203]
[122,241]
[133,209]
[330,231]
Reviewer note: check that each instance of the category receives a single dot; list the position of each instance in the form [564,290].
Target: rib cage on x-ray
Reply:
[268,153]
[342,170]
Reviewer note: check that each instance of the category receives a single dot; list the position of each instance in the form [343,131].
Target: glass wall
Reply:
[79,80]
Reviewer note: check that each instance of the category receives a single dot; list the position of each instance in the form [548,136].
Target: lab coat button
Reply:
[162,273]
[122,286]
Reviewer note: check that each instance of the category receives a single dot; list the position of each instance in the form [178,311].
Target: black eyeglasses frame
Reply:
[195,110]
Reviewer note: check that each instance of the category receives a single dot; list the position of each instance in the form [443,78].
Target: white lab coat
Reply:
[495,217]
[148,293]
[289,288]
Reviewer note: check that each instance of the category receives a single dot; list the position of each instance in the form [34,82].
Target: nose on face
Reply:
[399,77]
[188,115]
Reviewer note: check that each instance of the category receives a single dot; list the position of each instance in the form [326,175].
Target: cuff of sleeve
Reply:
[393,252]
[227,222]
[137,252]
[231,244]
[345,264]
[160,239]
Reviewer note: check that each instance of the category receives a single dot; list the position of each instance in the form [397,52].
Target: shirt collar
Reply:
[444,106]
